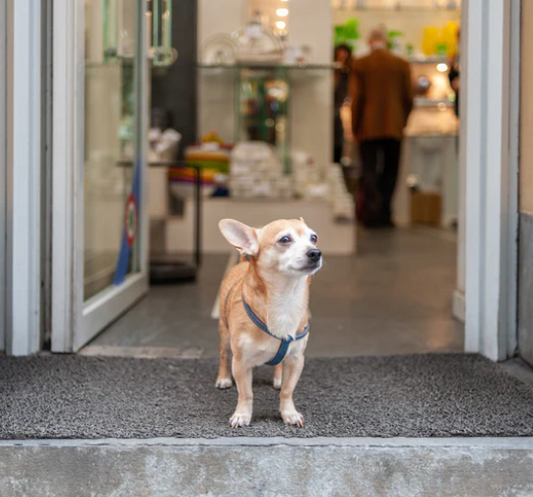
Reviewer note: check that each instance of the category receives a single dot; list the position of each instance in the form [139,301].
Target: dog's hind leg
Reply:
[224,369]
[278,371]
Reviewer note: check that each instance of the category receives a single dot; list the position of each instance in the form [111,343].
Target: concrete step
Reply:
[249,467]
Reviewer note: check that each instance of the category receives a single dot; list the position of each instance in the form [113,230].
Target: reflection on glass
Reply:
[109,136]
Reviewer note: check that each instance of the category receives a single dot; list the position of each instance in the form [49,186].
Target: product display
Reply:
[440,41]
[256,43]
[212,156]
[220,49]
[163,145]
[256,171]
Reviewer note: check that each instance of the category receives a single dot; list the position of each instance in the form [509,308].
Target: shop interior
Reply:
[242,127]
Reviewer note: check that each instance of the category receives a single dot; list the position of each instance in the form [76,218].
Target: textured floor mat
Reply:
[435,395]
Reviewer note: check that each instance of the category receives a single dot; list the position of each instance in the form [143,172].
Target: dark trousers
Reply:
[380,160]
[337,153]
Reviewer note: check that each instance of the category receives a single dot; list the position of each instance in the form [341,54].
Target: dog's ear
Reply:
[242,237]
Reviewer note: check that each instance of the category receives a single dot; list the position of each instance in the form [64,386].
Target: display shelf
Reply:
[262,94]
[431,60]
[428,103]
[251,65]
[401,8]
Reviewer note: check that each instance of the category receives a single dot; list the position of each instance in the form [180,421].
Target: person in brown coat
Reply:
[382,100]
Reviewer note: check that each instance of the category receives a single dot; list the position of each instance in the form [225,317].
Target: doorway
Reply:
[474,343]
[382,286]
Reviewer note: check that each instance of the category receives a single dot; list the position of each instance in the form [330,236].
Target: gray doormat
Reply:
[441,395]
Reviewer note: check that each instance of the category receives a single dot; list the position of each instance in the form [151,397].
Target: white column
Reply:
[216,93]
[490,277]
[310,23]
[23,176]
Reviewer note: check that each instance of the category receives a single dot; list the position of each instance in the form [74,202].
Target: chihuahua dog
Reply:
[264,310]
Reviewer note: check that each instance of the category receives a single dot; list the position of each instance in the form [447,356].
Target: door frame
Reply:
[490,162]
[73,321]
[3,161]
[22,174]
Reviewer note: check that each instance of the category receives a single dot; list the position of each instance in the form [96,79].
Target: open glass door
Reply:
[114,271]
[100,248]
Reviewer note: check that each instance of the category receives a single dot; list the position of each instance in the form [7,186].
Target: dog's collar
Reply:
[284,345]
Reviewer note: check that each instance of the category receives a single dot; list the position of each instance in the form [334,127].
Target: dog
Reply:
[264,310]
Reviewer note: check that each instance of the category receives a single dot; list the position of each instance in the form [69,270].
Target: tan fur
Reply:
[276,286]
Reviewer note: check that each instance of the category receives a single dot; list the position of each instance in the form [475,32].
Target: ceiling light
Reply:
[280,25]
[442,67]
[282,12]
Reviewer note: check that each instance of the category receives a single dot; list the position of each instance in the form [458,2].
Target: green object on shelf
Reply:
[351,29]
[391,35]
[442,49]
[348,33]
[394,34]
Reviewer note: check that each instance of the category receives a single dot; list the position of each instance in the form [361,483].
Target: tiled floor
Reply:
[393,297]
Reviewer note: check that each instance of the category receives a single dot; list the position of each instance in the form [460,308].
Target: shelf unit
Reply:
[262,100]
[406,9]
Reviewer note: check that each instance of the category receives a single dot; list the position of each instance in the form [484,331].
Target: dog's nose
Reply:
[314,255]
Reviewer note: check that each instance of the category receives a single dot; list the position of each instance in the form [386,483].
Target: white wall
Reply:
[216,92]
[335,238]
[312,99]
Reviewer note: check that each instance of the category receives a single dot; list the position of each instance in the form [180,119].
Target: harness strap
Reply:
[284,345]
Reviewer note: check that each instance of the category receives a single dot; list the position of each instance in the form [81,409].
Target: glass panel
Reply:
[160,12]
[263,103]
[109,143]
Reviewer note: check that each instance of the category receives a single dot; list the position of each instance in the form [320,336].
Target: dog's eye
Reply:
[284,240]
[314,238]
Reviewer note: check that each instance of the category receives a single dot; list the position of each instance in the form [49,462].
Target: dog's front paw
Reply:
[277,383]
[240,419]
[224,383]
[292,418]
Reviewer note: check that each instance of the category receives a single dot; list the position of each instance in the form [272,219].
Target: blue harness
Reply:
[283,346]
